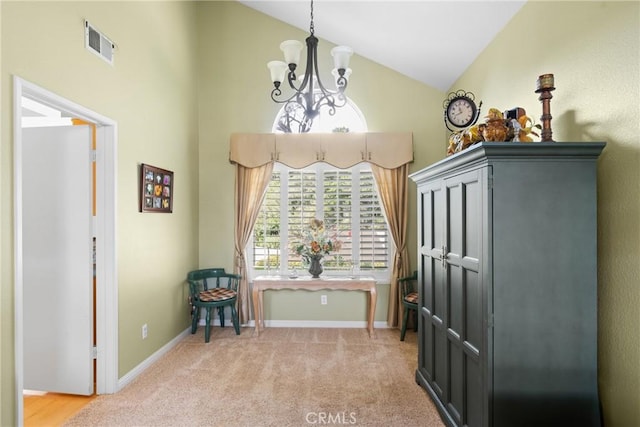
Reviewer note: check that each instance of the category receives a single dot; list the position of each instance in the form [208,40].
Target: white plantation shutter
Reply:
[266,236]
[374,237]
[338,213]
[347,201]
[300,207]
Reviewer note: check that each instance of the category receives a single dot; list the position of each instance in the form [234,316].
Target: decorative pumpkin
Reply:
[495,129]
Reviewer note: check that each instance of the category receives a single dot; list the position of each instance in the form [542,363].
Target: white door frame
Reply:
[106,260]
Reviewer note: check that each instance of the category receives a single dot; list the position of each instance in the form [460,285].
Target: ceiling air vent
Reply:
[98,43]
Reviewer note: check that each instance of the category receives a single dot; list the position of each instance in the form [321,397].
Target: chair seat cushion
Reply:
[216,294]
[412,298]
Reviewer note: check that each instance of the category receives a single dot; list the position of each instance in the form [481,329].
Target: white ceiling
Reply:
[432,41]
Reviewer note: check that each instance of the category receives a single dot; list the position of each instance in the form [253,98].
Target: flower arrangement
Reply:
[316,241]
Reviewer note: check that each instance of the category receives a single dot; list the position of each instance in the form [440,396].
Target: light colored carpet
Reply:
[284,377]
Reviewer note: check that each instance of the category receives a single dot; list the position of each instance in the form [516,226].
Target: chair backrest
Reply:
[209,278]
[408,284]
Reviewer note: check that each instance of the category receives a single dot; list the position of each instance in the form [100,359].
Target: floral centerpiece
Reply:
[314,243]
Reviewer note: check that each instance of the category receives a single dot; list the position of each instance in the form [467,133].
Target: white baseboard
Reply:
[133,374]
[305,324]
[321,324]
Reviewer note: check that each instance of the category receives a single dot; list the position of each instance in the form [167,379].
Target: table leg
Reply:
[372,309]
[256,311]
[261,302]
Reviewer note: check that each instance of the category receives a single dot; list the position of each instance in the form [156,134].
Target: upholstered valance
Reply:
[343,150]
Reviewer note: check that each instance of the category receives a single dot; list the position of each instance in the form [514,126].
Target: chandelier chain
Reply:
[311,27]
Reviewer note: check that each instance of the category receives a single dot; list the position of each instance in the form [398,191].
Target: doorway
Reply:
[106,320]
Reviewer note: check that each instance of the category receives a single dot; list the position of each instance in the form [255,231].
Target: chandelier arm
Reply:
[329,100]
[341,82]
[323,89]
[304,94]
[291,78]
[308,105]
[278,92]
[312,45]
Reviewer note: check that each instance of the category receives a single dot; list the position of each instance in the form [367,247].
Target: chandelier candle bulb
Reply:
[278,70]
[341,56]
[291,49]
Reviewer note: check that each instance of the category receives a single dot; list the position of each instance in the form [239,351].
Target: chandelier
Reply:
[309,95]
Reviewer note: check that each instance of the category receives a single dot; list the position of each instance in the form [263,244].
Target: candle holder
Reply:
[544,86]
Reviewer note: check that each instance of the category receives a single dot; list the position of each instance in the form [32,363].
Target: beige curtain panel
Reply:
[394,196]
[388,150]
[251,185]
[388,153]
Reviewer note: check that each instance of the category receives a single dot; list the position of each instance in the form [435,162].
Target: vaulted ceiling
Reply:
[431,41]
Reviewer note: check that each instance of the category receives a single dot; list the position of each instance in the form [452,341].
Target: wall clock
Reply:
[460,110]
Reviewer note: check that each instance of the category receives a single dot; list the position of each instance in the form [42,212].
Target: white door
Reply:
[57,259]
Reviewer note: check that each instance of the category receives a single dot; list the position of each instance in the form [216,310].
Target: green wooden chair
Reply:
[409,291]
[212,288]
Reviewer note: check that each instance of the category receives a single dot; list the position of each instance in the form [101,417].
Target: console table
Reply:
[263,283]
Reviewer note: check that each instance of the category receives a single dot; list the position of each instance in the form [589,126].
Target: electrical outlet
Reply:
[323,299]
[144,331]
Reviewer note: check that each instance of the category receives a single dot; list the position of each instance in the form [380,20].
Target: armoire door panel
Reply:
[456,380]
[473,217]
[454,217]
[428,285]
[456,299]
[473,394]
[432,218]
[428,369]
[440,296]
[426,345]
[441,363]
[437,217]
[473,309]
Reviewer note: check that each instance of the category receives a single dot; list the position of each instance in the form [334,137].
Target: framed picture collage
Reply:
[156,189]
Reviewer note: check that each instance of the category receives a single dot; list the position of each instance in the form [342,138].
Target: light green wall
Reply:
[346,306]
[236,43]
[151,93]
[187,75]
[593,50]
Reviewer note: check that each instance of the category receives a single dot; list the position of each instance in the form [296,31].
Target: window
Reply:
[348,118]
[347,201]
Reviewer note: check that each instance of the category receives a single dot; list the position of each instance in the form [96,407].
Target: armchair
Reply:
[409,292]
[212,288]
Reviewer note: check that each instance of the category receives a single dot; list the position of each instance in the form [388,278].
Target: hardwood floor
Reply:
[52,409]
